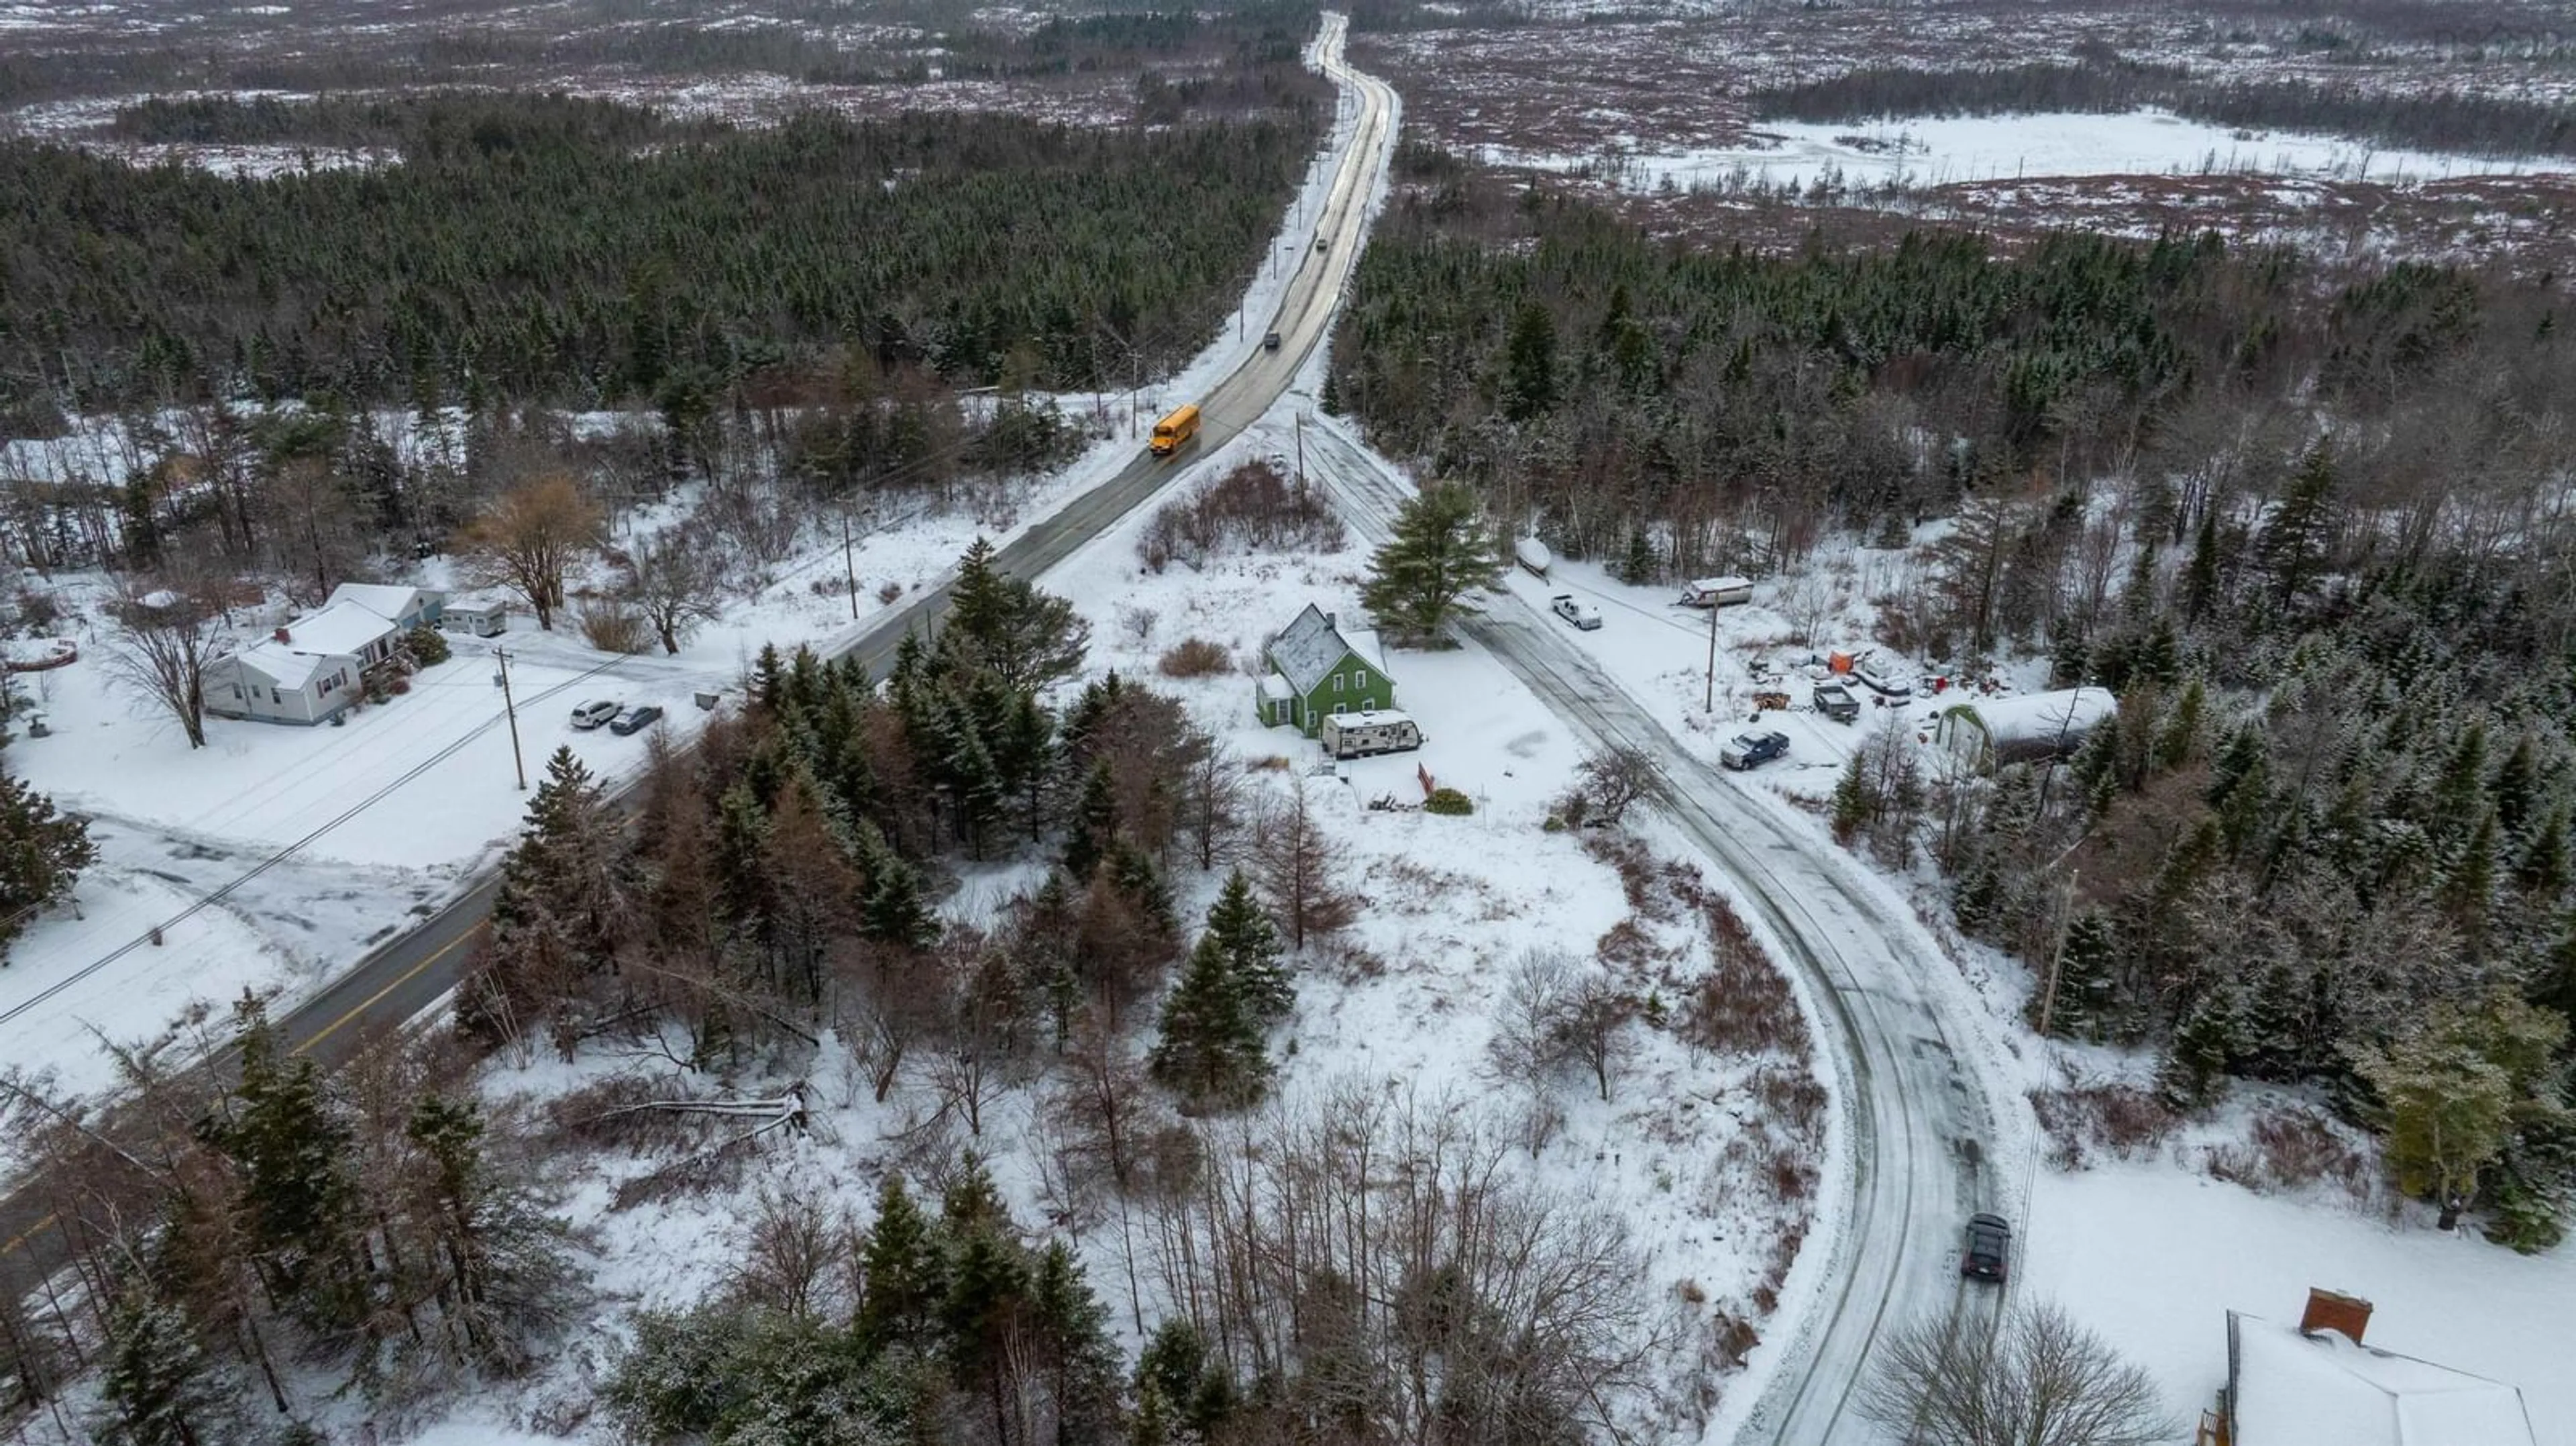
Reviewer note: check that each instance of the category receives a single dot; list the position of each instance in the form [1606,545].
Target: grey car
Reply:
[635,720]
[1989,1252]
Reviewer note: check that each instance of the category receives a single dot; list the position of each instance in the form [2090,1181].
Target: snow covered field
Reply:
[2154,1257]
[1922,152]
[1687,1152]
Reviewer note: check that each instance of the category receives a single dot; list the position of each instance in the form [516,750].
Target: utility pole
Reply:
[1301,455]
[849,569]
[507,706]
[2057,961]
[1709,703]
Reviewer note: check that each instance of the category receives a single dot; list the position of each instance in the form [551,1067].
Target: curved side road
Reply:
[409,974]
[1919,1123]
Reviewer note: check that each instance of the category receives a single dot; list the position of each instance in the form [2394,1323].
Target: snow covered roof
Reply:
[2040,717]
[1276,688]
[2295,1389]
[385,599]
[285,666]
[1720,584]
[1308,648]
[343,627]
[1371,718]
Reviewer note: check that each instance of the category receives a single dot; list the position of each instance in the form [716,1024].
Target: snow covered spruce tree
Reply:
[1442,553]
[562,910]
[42,853]
[1211,1049]
[157,1385]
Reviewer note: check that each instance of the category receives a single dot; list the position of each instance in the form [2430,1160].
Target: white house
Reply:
[314,666]
[405,607]
[277,682]
[2317,1385]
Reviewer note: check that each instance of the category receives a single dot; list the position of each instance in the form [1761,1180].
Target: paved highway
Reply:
[1919,1121]
[407,975]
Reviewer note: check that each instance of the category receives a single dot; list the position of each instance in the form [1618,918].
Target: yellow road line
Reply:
[399,980]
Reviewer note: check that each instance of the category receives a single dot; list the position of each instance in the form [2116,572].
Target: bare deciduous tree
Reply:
[2035,1378]
[1594,1026]
[529,537]
[1612,780]
[796,1255]
[1526,1049]
[165,638]
[672,580]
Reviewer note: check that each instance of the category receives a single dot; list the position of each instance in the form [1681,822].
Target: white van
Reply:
[1360,735]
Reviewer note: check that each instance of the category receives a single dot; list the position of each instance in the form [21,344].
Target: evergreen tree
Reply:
[1853,805]
[42,854]
[1210,1049]
[1242,929]
[1638,568]
[2197,1056]
[1529,367]
[895,909]
[156,1385]
[2086,973]
[1080,1360]
[1441,552]
[298,1190]
[2201,579]
[2542,870]
[2294,545]
[2516,787]
[906,1273]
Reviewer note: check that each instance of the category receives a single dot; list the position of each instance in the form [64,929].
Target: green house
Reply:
[1316,670]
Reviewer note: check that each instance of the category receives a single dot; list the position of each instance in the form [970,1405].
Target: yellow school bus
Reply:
[1176,429]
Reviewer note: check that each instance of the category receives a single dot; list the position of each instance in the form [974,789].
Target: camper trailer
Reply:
[1716,592]
[1360,735]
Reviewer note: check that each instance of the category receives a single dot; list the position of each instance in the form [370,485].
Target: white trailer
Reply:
[1361,735]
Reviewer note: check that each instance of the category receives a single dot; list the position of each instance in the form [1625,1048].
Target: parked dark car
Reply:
[1751,750]
[1989,1252]
[635,720]
[593,713]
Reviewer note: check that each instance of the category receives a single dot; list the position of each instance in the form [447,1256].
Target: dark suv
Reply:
[1989,1252]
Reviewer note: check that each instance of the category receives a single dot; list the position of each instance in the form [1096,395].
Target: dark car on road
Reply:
[635,720]
[1989,1251]
[1270,342]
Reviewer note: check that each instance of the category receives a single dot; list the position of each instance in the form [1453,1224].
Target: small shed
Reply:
[2025,728]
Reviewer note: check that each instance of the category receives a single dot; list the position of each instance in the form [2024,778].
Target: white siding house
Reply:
[275,682]
[405,607]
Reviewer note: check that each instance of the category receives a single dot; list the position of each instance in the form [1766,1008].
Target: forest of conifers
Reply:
[532,251]
[2310,523]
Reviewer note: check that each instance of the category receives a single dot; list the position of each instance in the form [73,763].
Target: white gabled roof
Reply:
[2322,1389]
[287,667]
[343,627]
[389,600]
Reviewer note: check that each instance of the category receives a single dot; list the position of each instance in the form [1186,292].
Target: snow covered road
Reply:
[1917,1124]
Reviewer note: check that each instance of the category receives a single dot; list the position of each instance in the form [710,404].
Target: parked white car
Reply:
[1884,678]
[593,713]
[1576,611]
